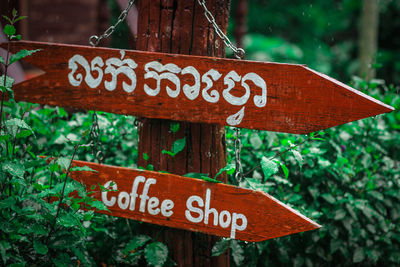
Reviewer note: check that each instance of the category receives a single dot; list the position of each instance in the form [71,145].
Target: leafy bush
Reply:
[345,178]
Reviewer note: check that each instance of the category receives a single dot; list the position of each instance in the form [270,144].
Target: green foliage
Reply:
[345,178]
[156,253]
[22,54]
[174,126]
[220,247]
[177,147]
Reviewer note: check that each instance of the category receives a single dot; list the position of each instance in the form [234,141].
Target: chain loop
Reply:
[94,136]
[95,40]
[239,52]
[238,148]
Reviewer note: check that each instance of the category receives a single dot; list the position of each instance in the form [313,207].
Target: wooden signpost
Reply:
[192,204]
[257,95]
[195,89]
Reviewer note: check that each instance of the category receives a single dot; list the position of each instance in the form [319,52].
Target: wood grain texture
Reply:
[266,217]
[299,99]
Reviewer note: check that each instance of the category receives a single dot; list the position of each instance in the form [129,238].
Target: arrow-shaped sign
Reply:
[257,95]
[191,204]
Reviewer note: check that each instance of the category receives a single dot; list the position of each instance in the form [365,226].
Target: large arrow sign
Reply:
[257,95]
[192,204]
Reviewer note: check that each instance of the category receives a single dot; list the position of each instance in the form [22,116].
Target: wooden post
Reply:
[180,27]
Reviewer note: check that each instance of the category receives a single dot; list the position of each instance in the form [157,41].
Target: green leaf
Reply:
[20,18]
[174,126]
[63,260]
[167,152]
[285,170]
[4,246]
[39,229]
[178,145]
[63,162]
[39,247]
[22,54]
[238,252]
[136,242]
[220,247]
[8,19]
[94,203]
[68,220]
[9,30]
[13,126]
[7,203]
[156,253]
[255,141]
[269,167]
[196,175]
[83,168]
[208,179]
[145,156]
[16,37]
[227,168]
[329,198]
[15,169]
[358,255]
[297,156]
[23,134]
[9,82]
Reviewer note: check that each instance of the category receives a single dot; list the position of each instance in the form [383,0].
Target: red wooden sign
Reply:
[258,95]
[192,204]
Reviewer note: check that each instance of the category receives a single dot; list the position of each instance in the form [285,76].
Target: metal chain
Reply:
[238,148]
[239,52]
[94,136]
[95,40]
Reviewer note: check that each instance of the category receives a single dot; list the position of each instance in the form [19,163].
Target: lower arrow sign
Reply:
[191,204]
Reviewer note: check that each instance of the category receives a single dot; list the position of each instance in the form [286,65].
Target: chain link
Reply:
[239,52]
[95,40]
[238,148]
[94,136]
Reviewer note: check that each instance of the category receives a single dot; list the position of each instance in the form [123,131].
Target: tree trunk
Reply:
[368,40]
[180,27]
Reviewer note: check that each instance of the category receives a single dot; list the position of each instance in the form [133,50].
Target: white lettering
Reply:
[96,65]
[166,207]
[123,200]
[155,70]
[126,67]
[170,75]
[190,207]
[230,80]
[144,197]
[134,195]
[259,100]
[235,226]
[213,96]
[225,219]
[207,209]
[152,206]
[112,201]
[224,222]
[192,92]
